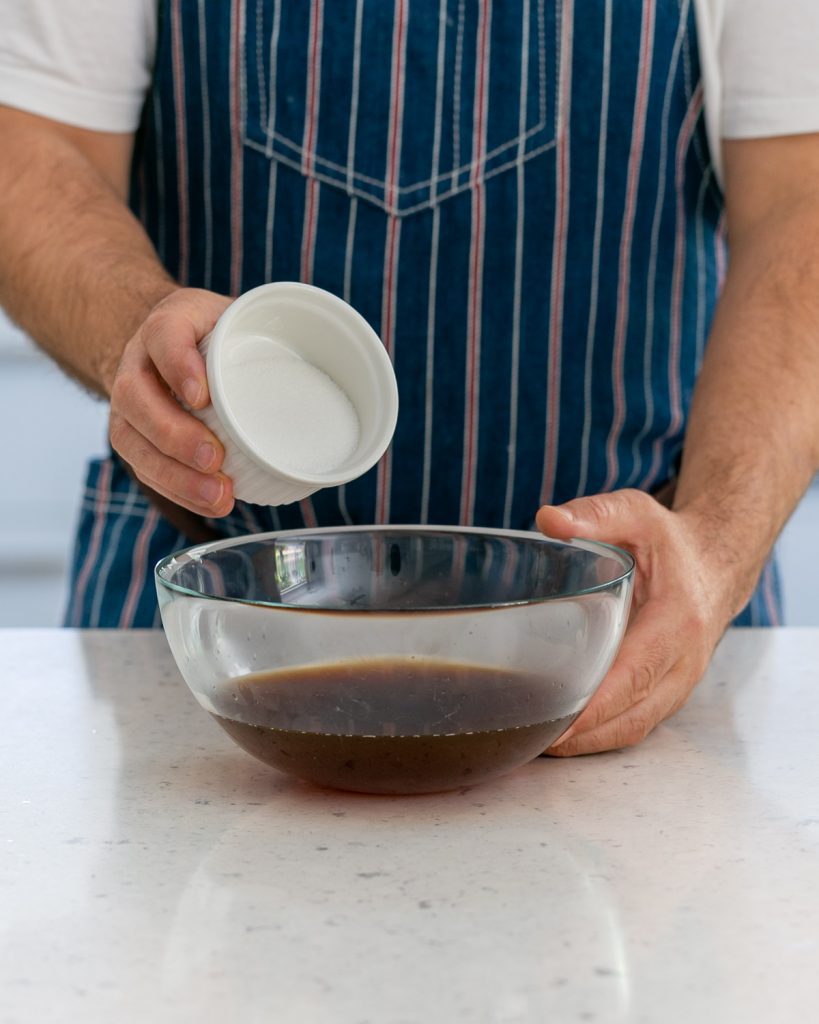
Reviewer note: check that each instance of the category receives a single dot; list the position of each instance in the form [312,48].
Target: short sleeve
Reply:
[86,63]
[769,61]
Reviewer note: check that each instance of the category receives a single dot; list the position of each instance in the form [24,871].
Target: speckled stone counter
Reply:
[151,871]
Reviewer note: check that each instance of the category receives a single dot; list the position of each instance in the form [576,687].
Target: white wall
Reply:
[49,427]
[799,562]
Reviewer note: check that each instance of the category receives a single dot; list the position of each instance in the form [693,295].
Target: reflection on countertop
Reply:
[153,870]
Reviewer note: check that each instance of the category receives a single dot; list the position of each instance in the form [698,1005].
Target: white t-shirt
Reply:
[88,63]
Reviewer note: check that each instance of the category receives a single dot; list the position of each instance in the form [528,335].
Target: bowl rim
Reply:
[196,551]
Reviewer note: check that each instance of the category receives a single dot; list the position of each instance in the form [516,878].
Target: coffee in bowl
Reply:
[392,725]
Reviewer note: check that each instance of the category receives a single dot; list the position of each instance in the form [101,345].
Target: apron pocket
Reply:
[402,105]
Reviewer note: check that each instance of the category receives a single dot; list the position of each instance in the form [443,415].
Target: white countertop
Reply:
[151,871]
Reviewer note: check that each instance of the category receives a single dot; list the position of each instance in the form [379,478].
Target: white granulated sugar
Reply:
[296,416]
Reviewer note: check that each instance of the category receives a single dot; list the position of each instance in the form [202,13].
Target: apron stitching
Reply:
[237,116]
[429,410]
[115,507]
[541,55]
[424,204]
[600,201]
[432,277]
[472,384]
[345,172]
[659,206]
[348,270]
[459,169]
[456,87]
[351,135]
[260,61]
[94,543]
[101,581]
[139,570]
[206,145]
[393,234]
[685,6]
[689,89]
[769,592]
[558,276]
[675,333]
[183,189]
[514,355]
[702,257]
[353,213]
[270,117]
[439,100]
[313,85]
[618,387]
[312,188]
[270,221]
[161,224]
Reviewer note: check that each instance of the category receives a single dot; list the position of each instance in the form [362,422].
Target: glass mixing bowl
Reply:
[395,659]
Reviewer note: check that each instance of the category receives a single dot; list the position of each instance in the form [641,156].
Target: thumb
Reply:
[556,521]
[618,518]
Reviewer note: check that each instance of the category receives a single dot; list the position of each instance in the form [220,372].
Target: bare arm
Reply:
[79,274]
[752,447]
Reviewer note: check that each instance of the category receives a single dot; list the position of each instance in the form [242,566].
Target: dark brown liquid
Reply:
[393,726]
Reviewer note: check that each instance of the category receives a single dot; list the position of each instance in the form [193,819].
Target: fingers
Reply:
[649,651]
[555,521]
[634,724]
[673,628]
[225,508]
[617,518]
[659,664]
[167,447]
[139,400]
[171,335]
[206,494]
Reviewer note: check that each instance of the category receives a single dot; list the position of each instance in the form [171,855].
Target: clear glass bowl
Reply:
[395,659]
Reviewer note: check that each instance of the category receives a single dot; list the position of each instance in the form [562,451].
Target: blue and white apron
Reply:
[518,195]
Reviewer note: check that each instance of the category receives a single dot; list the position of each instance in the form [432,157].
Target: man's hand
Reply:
[681,608]
[167,448]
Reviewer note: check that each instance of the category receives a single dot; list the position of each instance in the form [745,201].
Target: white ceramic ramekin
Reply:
[328,333]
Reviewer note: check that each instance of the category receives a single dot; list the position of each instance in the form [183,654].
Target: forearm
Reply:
[77,270]
[752,444]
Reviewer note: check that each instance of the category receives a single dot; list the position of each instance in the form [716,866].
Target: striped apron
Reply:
[518,195]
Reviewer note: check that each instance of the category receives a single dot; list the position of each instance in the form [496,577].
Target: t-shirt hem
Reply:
[68,104]
[763,118]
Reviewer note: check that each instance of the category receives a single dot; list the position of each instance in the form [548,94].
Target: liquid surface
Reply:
[393,726]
